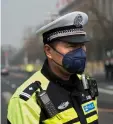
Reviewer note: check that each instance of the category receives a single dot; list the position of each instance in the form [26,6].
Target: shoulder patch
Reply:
[27,93]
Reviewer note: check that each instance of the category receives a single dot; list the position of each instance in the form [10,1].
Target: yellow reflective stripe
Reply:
[44,81]
[53,120]
[90,110]
[67,115]
[92,118]
[77,123]
[62,117]
[79,76]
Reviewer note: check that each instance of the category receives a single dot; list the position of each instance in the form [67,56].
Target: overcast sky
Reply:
[20,14]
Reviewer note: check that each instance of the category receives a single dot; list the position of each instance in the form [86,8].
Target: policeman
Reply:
[60,93]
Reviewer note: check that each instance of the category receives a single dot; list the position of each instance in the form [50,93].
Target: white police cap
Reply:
[66,28]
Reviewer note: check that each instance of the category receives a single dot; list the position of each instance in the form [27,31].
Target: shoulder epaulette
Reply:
[27,93]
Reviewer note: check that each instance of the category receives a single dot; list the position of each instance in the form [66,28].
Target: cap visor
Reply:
[75,39]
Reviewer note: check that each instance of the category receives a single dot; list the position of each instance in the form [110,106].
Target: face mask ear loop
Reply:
[56,50]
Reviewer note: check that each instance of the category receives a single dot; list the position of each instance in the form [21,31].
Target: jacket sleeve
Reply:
[23,112]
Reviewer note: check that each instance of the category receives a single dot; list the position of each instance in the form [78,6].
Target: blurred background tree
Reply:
[33,46]
[103,32]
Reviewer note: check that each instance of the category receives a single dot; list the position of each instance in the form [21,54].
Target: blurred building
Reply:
[100,14]
[105,7]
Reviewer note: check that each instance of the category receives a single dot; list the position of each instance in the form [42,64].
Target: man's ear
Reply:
[48,50]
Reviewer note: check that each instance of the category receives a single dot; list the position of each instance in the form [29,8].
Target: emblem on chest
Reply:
[88,107]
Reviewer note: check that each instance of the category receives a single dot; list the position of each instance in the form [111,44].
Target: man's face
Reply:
[63,48]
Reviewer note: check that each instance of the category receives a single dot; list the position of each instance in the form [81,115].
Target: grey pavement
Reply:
[105,100]
[105,118]
[105,92]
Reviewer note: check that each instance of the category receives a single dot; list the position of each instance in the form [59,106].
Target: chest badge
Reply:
[88,107]
[63,105]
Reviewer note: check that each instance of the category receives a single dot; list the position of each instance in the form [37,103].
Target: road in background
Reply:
[105,100]
[8,87]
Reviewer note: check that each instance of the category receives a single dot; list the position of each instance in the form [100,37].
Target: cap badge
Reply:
[78,21]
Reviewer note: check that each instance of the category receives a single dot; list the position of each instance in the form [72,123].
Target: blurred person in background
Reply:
[60,92]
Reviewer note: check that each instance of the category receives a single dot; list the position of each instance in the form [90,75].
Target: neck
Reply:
[59,72]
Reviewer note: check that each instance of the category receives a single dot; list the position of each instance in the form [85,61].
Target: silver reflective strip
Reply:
[84,81]
[25,94]
[66,34]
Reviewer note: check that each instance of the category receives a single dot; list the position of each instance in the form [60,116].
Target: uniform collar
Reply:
[47,72]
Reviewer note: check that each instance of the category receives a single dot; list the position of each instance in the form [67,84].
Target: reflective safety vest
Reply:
[23,108]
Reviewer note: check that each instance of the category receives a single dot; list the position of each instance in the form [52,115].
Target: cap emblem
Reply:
[78,21]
